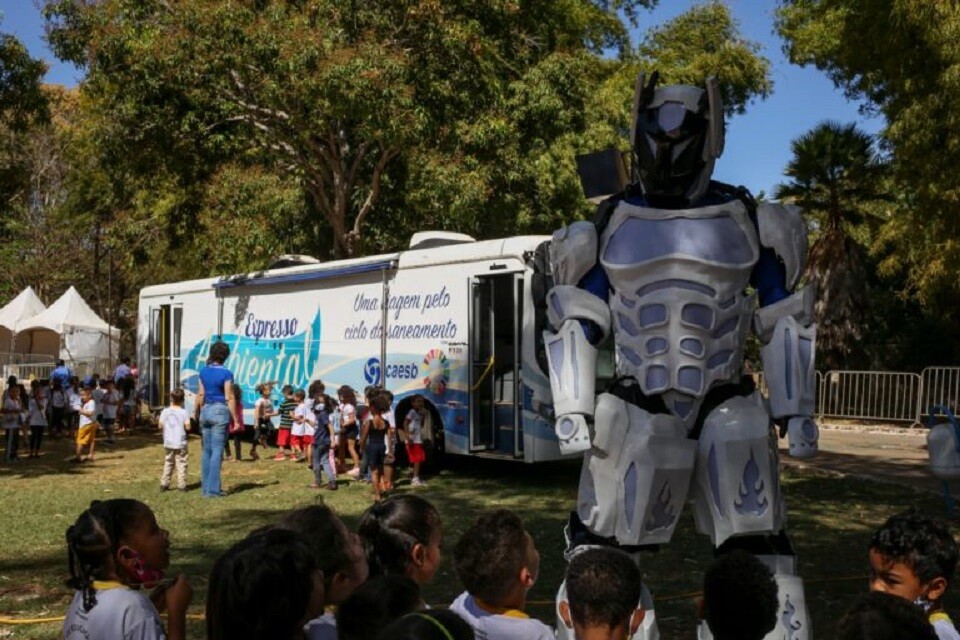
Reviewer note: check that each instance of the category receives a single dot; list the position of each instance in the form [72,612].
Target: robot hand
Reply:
[573,432]
[802,437]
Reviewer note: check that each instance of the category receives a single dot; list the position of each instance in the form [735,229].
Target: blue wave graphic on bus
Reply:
[252,361]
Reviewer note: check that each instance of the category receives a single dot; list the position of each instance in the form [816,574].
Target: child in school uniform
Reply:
[914,556]
[174,420]
[87,429]
[497,561]
[286,409]
[413,426]
[110,402]
[262,411]
[302,419]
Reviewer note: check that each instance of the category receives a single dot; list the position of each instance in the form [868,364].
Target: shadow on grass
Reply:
[56,455]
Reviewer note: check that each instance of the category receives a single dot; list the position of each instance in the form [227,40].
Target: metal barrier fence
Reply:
[941,386]
[871,395]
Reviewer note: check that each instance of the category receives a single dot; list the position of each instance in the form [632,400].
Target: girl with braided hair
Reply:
[116,551]
[402,536]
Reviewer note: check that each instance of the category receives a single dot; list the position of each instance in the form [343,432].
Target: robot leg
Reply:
[737,499]
[633,485]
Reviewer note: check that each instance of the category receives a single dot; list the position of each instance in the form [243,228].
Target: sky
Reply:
[757,144]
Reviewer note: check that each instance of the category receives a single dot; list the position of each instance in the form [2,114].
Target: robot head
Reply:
[677,135]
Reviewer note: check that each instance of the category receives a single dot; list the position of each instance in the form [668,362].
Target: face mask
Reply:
[140,574]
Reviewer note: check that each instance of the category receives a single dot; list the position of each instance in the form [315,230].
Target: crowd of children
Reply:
[308,577]
[66,406]
[312,427]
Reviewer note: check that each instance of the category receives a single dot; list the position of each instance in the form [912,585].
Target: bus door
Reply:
[495,323]
[165,325]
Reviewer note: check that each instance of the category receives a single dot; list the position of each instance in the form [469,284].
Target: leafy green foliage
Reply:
[902,57]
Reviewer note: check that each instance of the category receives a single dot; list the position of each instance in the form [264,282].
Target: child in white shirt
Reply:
[174,420]
[38,417]
[497,560]
[109,402]
[302,418]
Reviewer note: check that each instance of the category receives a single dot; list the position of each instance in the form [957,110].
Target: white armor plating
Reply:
[635,479]
[573,252]
[942,446]
[573,364]
[782,229]
[736,490]
[676,334]
[798,306]
[803,434]
[788,364]
[648,628]
[567,302]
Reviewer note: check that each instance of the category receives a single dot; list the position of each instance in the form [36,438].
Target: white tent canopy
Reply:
[69,329]
[25,306]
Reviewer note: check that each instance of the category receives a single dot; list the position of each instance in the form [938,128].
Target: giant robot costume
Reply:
[672,274]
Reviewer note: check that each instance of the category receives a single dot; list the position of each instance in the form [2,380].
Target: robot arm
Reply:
[787,331]
[575,314]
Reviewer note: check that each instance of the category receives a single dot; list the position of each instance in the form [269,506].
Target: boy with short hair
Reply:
[739,597]
[287,407]
[303,419]
[602,595]
[497,561]
[913,556]
[174,420]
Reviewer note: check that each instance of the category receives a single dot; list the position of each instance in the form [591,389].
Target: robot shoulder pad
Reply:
[573,252]
[783,230]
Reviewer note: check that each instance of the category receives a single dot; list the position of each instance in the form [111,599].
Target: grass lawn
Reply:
[831,520]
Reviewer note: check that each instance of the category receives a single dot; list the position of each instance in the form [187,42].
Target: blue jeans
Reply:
[321,460]
[214,420]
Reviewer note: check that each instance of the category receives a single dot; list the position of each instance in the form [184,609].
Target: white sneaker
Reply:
[417,482]
[354,473]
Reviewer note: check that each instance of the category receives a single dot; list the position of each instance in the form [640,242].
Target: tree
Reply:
[835,176]
[902,57]
[468,113]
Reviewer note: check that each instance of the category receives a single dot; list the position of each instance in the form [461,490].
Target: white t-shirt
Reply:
[57,399]
[11,420]
[492,626]
[109,403]
[300,416]
[943,627]
[322,628]
[88,407]
[174,420]
[390,418]
[415,428]
[348,411]
[98,399]
[120,614]
[73,399]
[38,412]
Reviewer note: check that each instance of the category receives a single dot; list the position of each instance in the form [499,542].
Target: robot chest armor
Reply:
[677,300]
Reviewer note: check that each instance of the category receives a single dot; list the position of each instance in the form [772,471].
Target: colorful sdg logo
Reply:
[437,369]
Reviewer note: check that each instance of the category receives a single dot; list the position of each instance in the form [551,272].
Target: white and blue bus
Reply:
[455,320]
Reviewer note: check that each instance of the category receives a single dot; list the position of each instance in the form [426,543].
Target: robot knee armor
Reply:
[737,489]
[636,476]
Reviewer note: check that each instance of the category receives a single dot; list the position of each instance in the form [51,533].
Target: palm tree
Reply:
[835,176]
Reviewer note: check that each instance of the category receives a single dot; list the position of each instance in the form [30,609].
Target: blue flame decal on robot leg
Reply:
[663,514]
[752,501]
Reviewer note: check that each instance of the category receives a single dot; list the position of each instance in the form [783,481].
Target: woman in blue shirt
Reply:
[215,409]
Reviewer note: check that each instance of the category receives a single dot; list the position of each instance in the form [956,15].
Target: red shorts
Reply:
[283,438]
[415,452]
[298,441]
